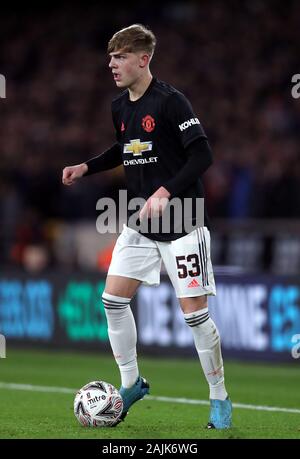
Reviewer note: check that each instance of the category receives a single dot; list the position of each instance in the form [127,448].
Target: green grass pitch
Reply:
[43,414]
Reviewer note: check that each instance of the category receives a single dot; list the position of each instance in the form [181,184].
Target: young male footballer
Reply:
[164,151]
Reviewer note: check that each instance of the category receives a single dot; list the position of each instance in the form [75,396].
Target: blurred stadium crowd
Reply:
[234,60]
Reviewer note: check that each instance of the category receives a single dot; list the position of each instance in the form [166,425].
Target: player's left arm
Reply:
[199,156]
[190,133]
[199,159]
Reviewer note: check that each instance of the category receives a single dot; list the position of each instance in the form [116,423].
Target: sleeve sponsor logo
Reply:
[188,123]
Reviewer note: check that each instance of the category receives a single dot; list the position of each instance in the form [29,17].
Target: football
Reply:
[98,404]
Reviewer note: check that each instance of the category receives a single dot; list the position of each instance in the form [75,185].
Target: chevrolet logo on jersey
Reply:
[136,147]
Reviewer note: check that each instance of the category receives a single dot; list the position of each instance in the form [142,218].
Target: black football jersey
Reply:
[153,133]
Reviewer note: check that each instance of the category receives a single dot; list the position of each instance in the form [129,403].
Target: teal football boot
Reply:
[133,394]
[220,414]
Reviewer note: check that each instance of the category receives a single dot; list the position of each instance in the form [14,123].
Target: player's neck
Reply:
[140,87]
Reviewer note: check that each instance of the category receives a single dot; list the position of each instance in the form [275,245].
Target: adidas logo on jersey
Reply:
[194,283]
[188,123]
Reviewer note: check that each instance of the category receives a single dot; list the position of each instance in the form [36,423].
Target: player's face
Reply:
[126,68]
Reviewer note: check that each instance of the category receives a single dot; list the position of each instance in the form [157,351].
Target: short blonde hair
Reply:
[133,39]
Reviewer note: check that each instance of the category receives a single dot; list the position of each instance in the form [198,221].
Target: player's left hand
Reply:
[156,204]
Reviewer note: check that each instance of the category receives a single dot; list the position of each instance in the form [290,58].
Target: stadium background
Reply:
[235,61]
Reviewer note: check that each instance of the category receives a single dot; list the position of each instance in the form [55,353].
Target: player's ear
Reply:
[144,60]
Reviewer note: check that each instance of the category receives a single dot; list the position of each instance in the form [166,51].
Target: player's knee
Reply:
[193,304]
[114,304]
[122,287]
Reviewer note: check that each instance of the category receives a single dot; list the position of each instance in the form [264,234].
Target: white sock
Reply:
[122,336]
[207,342]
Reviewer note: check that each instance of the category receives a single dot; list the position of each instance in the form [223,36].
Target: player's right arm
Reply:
[108,160]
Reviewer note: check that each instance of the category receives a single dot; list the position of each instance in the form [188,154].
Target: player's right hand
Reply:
[72,173]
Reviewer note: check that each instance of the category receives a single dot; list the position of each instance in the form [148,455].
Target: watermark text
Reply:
[296,88]
[160,216]
[296,349]
[2,87]
[2,347]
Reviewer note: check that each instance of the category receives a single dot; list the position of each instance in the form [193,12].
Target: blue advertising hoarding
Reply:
[258,316]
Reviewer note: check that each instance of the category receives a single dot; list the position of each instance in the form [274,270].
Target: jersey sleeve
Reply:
[199,156]
[180,115]
[109,159]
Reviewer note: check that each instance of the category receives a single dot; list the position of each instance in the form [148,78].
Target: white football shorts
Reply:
[187,261]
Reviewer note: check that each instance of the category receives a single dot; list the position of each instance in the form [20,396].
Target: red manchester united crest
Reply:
[148,123]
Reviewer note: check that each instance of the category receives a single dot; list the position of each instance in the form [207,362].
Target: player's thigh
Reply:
[121,286]
[135,260]
[188,264]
